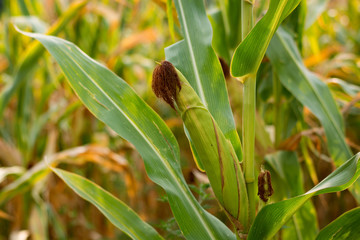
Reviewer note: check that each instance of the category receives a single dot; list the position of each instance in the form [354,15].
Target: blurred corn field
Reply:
[43,123]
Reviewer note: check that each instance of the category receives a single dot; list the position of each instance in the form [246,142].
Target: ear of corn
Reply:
[215,153]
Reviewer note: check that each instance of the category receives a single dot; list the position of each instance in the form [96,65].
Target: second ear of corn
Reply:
[214,151]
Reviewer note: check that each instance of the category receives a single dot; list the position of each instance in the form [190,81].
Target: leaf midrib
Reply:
[192,55]
[90,198]
[332,120]
[155,149]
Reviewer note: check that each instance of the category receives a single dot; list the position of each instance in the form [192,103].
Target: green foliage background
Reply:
[42,122]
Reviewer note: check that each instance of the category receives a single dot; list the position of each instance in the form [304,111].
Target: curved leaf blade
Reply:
[288,182]
[231,12]
[250,52]
[122,216]
[7,171]
[271,217]
[310,91]
[344,227]
[115,103]
[197,61]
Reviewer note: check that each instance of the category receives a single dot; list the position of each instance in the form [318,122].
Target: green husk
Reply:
[215,152]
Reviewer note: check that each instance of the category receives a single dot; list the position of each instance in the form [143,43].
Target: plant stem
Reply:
[249,107]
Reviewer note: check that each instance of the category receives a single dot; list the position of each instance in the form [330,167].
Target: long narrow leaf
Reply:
[310,91]
[344,227]
[232,12]
[270,219]
[115,210]
[288,182]
[196,59]
[219,41]
[250,52]
[115,103]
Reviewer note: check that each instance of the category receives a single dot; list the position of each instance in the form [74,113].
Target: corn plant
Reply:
[192,81]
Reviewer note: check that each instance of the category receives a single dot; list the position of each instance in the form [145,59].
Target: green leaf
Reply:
[115,210]
[230,23]
[285,166]
[232,12]
[195,154]
[28,60]
[219,41]
[35,23]
[271,217]
[286,171]
[214,151]
[197,61]
[115,103]
[310,91]
[250,52]
[344,227]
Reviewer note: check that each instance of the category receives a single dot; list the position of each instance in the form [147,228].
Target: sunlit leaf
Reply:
[115,210]
[196,59]
[36,24]
[313,93]
[310,91]
[115,103]
[273,216]
[286,171]
[6,171]
[250,52]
